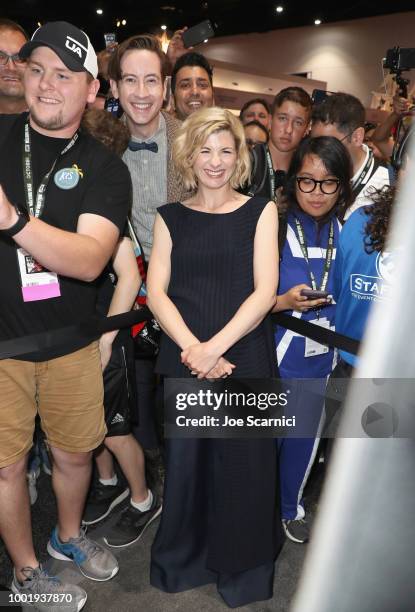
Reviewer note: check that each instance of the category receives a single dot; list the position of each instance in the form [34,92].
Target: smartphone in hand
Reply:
[198,33]
[314,294]
[110,39]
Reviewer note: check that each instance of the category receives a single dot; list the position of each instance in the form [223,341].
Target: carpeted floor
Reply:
[130,589]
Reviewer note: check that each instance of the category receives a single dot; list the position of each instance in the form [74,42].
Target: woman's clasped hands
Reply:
[203,361]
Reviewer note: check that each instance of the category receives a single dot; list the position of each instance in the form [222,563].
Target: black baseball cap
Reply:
[70,43]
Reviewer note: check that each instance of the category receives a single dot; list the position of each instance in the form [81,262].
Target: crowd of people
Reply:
[120,179]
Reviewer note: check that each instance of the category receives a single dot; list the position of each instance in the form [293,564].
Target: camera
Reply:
[398,60]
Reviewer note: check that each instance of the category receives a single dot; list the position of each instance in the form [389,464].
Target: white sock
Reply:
[109,481]
[144,505]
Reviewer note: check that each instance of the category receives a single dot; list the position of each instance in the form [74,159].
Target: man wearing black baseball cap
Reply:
[69,43]
[64,199]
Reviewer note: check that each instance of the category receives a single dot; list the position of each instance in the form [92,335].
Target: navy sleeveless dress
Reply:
[220,520]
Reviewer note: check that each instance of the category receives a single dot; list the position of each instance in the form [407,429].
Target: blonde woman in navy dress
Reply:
[212,282]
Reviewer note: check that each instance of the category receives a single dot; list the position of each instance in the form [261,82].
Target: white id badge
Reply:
[37,282]
[313,348]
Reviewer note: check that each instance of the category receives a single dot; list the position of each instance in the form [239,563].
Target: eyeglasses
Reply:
[327,186]
[15,58]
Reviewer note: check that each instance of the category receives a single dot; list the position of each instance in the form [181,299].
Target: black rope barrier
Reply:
[88,330]
[93,327]
[319,334]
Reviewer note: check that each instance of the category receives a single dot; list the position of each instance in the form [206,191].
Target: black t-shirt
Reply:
[104,188]
[260,183]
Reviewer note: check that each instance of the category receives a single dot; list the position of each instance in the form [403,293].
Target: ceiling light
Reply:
[124,22]
[317,21]
[279,9]
[118,23]
[164,27]
[99,11]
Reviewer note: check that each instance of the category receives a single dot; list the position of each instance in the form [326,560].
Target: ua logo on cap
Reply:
[73,46]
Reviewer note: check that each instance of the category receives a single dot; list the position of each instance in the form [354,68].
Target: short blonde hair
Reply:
[193,134]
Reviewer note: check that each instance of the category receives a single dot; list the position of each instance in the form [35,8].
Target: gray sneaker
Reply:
[296,530]
[49,594]
[93,560]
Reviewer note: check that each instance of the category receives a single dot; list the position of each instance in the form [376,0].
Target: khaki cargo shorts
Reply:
[67,392]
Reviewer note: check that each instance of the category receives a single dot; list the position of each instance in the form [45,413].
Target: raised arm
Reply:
[253,310]
[80,255]
[381,136]
[176,47]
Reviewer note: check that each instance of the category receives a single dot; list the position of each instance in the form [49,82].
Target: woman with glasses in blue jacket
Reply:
[316,193]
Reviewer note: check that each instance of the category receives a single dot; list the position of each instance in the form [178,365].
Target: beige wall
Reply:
[234,86]
[347,55]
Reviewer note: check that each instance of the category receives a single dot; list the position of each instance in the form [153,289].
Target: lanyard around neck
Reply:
[329,255]
[271,173]
[368,166]
[274,176]
[36,209]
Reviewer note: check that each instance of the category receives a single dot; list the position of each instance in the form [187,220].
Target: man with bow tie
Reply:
[137,72]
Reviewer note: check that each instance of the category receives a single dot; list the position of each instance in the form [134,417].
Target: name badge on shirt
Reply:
[313,348]
[37,282]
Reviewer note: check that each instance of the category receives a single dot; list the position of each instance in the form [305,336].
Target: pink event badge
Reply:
[37,282]
[41,292]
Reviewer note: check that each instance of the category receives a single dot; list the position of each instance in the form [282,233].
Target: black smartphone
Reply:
[314,294]
[319,95]
[198,33]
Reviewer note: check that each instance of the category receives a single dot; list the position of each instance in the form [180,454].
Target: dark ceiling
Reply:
[229,16]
